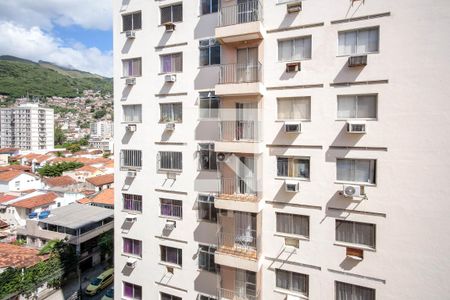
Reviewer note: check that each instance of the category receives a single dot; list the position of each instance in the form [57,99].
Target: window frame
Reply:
[353,287]
[290,282]
[168,296]
[161,23]
[373,165]
[357,30]
[134,290]
[357,100]
[172,63]
[291,225]
[292,39]
[354,231]
[212,157]
[123,113]
[133,202]
[173,203]
[132,20]
[170,169]
[122,159]
[212,42]
[163,255]
[210,100]
[130,60]
[293,99]
[133,246]
[172,112]
[291,165]
[210,7]
[208,251]
[212,211]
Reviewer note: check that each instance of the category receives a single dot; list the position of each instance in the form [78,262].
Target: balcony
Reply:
[238,284]
[238,194]
[240,80]
[240,22]
[242,136]
[224,294]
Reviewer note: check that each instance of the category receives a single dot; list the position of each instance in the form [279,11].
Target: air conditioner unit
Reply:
[291,242]
[169,26]
[293,67]
[294,7]
[291,186]
[131,262]
[131,127]
[357,61]
[131,174]
[130,81]
[292,297]
[353,127]
[170,225]
[130,34]
[170,126]
[354,253]
[222,156]
[130,219]
[351,191]
[291,127]
[170,78]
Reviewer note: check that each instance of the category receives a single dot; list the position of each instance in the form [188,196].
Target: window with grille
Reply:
[357,106]
[133,247]
[172,14]
[356,170]
[359,41]
[132,291]
[171,112]
[209,52]
[132,21]
[209,105]
[171,255]
[207,157]
[206,258]
[206,209]
[131,158]
[293,167]
[293,224]
[347,291]
[294,108]
[170,160]
[132,202]
[292,281]
[171,208]
[132,67]
[132,113]
[209,6]
[355,233]
[171,63]
[294,49]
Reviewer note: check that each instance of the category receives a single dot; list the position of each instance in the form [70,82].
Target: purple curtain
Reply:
[128,290]
[127,245]
[167,63]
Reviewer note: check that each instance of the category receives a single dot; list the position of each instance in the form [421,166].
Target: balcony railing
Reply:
[236,188]
[251,11]
[240,73]
[244,294]
[242,240]
[245,130]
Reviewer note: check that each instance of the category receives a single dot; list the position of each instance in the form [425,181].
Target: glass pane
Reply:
[205,7]
[367,106]
[373,40]
[344,169]
[137,20]
[362,171]
[166,14]
[363,42]
[282,166]
[301,168]
[346,107]
[301,109]
[177,11]
[282,278]
[215,55]
[285,50]
[284,109]
[127,22]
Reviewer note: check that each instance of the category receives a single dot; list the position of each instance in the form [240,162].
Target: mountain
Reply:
[20,77]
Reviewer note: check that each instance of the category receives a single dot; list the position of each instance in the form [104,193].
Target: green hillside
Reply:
[19,77]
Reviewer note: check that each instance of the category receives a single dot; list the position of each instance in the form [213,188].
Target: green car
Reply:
[100,282]
[109,295]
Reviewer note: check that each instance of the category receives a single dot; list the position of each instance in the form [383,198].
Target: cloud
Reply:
[45,14]
[34,44]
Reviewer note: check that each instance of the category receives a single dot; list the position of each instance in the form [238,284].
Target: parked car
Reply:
[109,295]
[100,282]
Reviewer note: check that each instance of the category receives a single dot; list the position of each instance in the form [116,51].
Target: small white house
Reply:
[17,181]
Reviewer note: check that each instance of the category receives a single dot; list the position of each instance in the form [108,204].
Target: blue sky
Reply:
[70,33]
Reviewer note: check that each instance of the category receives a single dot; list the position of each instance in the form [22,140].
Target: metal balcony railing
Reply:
[244,294]
[241,187]
[243,130]
[250,11]
[240,73]
[242,240]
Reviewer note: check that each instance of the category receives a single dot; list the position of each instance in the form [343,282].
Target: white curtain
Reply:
[346,106]
[347,291]
[367,106]
[347,43]
[355,232]
[294,108]
[295,49]
[358,41]
[363,41]
[132,113]
[357,170]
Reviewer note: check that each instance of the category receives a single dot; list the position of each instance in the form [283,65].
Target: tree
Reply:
[99,114]
[74,148]
[106,243]
[57,169]
[60,138]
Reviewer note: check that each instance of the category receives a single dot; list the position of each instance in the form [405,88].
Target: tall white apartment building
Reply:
[27,127]
[102,129]
[282,149]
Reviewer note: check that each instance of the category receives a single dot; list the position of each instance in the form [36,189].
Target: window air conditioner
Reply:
[130,219]
[171,78]
[169,26]
[131,174]
[221,156]
[354,127]
[351,191]
[170,225]
[291,186]
[293,67]
[130,81]
[292,297]
[357,61]
[170,126]
[291,242]
[131,127]
[292,127]
[354,253]
[131,262]
[130,34]
[294,7]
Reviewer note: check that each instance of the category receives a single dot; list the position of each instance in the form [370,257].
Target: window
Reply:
[347,291]
[131,158]
[294,108]
[132,113]
[132,67]
[132,21]
[131,246]
[356,170]
[17,183]
[170,160]
[293,224]
[207,157]
[172,14]
[206,209]
[171,112]
[209,6]
[209,105]
[171,255]
[132,202]
[132,291]
[293,167]
[294,49]
[206,258]
[171,208]
[355,233]
[165,296]
[171,63]
[209,52]
[292,281]
[360,41]
[357,106]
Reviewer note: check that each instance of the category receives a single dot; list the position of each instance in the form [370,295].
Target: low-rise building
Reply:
[104,198]
[101,182]
[61,183]
[16,180]
[5,153]
[81,174]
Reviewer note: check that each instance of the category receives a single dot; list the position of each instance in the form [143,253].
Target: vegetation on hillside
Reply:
[58,169]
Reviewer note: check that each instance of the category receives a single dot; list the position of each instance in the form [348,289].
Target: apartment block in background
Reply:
[27,127]
[281,149]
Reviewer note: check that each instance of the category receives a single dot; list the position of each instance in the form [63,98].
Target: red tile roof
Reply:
[8,150]
[15,167]
[4,198]
[10,175]
[19,256]
[87,169]
[36,201]
[104,197]
[101,180]
[3,224]
[59,181]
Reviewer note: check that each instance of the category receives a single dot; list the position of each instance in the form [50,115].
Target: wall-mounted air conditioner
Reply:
[354,253]
[131,262]
[170,78]
[351,191]
[292,67]
[291,242]
[294,7]
[356,127]
[221,156]
[291,186]
[170,225]
[357,61]
[130,34]
[169,26]
[170,126]
[130,81]
[131,127]
[131,174]
[292,127]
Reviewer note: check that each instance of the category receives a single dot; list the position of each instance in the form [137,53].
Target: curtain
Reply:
[347,291]
[300,225]
[367,106]
[373,40]
[299,283]
[284,50]
[284,109]
[347,43]
[362,42]
[300,168]
[132,113]
[282,166]
[136,67]
[282,279]
[294,108]
[344,231]
[128,290]
[346,106]
[364,234]
[166,63]
[343,291]
[283,223]
[137,20]
[171,112]
[127,245]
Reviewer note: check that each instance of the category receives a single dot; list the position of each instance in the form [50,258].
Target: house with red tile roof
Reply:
[15,167]
[104,198]
[13,256]
[81,174]
[62,184]
[101,182]
[6,153]
[16,180]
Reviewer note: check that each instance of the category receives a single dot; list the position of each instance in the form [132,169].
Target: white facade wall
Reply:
[408,139]
[22,182]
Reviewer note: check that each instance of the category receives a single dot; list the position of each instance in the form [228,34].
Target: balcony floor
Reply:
[246,254]
[238,197]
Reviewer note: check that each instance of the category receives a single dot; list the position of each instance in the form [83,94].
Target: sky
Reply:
[70,33]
